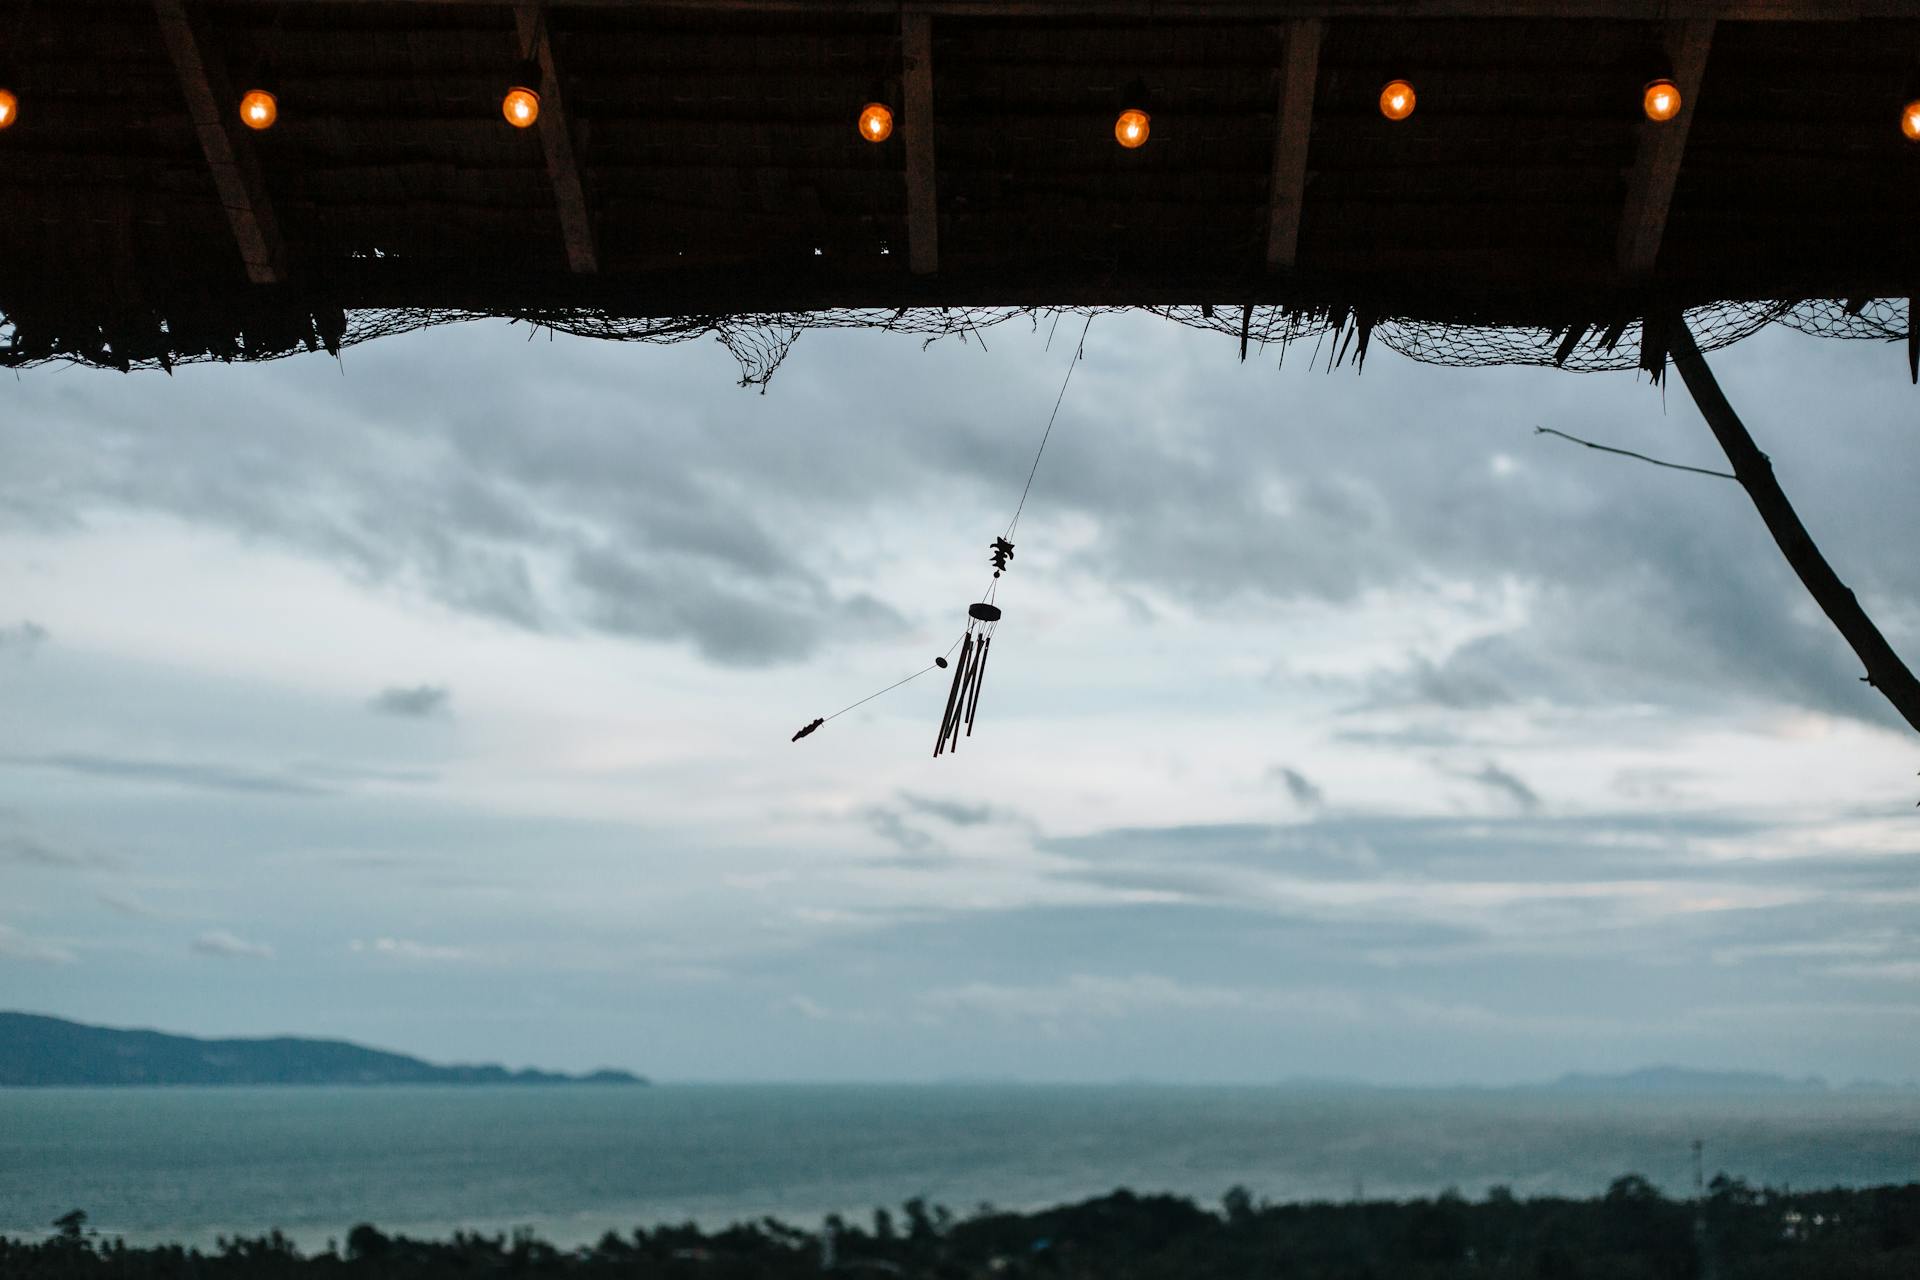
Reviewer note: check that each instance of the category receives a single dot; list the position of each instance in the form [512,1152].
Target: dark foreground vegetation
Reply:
[1739,1233]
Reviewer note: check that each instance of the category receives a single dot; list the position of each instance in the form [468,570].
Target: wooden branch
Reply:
[923,211]
[1299,69]
[1656,165]
[1885,671]
[214,112]
[556,139]
[1628,453]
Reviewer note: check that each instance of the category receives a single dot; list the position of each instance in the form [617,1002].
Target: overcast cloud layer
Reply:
[441,698]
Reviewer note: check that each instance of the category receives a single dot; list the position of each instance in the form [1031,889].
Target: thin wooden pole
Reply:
[1885,671]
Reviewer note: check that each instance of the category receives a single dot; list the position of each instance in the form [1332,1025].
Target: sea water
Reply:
[572,1162]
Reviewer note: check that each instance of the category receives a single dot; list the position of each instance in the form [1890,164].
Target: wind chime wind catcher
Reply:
[983,615]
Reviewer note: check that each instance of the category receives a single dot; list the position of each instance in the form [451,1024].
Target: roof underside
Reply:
[715,148]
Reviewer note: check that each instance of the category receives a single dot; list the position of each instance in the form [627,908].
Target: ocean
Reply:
[572,1162]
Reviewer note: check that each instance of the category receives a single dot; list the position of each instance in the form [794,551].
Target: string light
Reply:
[1661,101]
[9,108]
[259,109]
[876,122]
[1132,128]
[521,106]
[1397,99]
[1910,120]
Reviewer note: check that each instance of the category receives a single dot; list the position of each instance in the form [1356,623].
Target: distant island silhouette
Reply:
[44,1051]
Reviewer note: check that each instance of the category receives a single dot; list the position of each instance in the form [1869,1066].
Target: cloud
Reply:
[127,905]
[330,773]
[22,638]
[953,812]
[1471,678]
[25,850]
[416,702]
[1498,780]
[890,825]
[1904,971]
[199,776]
[1084,997]
[613,516]
[813,1011]
[407,949]
[221,942]
[1304,793]
[766,617]
[15,945]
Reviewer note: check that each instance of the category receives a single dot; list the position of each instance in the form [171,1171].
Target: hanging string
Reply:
[895,685]
[889,689]
[1079,352]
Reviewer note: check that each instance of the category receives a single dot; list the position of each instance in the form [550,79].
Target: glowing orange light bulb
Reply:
[9,108]
[259,109]
[876,122]
[1132,128]
[521,106]
[1397,99]
[1910,120]
[1661,101]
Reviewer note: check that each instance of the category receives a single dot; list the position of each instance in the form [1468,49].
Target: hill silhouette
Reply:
[40,1050]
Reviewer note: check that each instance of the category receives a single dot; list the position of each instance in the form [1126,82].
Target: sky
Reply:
[440,698]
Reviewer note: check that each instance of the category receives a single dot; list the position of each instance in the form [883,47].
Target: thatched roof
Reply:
[698,157]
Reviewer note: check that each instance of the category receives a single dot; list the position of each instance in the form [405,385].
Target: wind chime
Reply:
[963,696]
[983,619]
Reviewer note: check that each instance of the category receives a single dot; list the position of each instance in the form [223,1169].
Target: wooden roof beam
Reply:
[1662,147]
[556,139]
[1299,70]
[922,206]
[215,115]
[1269,10]
[923,210]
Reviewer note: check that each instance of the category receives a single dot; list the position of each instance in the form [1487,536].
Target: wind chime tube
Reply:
[979,676]
[960,708]
[953,692]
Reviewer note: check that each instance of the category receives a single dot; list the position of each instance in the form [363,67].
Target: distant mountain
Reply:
[37,1050]
[1683,1080]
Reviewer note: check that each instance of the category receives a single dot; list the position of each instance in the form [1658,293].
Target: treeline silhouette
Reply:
[1737,1232]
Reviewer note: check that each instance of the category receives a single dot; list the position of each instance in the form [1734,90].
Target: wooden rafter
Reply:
[1279,10]
[923,211]
[556,139]
[214,112]
[1299,70]
[1656,164]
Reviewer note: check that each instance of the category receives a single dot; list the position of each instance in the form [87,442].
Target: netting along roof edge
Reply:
[760,342]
